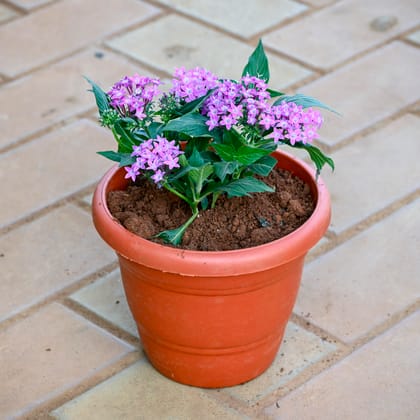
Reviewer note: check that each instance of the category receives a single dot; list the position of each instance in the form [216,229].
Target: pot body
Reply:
[212,319]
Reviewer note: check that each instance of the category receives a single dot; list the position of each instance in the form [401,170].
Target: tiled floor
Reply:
[68,346]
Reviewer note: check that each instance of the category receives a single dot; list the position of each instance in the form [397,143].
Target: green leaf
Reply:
[258,64]
[111,155]
[263,166]
[192,124]
[204,203]
[195,158]
[244,186]
[127,159]
[100,96]
[173,236]
[140,135]
[172,177]
[194,105]
[199,175]
[123,137]
[154,129]
[222,169]
[274,93]
[305,101]
[246,155]
[124,159]
[182,160]
[317,156]
[233,138]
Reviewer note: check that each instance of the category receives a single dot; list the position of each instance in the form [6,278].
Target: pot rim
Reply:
[216,263]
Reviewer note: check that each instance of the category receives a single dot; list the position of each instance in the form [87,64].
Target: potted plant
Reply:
[209,318]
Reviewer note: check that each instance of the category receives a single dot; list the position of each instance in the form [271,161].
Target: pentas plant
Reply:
[207,136]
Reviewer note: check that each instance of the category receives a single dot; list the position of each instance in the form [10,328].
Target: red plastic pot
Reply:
[212,319]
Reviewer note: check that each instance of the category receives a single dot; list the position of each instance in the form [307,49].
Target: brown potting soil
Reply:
[235,223]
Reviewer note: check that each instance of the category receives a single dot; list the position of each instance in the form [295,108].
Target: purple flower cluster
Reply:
[223,107]
[131,95]
[192,84]
[246,102]
[291,122]
[233,101]
[231,104]
[154,155]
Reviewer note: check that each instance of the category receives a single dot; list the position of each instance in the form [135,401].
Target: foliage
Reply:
[208,136]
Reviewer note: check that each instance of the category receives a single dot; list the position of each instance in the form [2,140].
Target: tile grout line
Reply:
[44,409]
[36,214]
[58,296]
[343,351]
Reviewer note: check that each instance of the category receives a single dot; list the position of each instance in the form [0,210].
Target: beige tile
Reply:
[299,350]
[48,353]
[415,37]
[57,92]
[239,18]
[87,199]
[139,392]
[319,3]
[6,13]
[336,33]
[64,27]
[29,4]
[59,163]
[106,298]
[191,44]
[42,257]
[358,285]
[380,381]
[374,172]
[367,90]
[323,242]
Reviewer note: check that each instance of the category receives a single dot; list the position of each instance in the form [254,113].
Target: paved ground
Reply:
[68,346]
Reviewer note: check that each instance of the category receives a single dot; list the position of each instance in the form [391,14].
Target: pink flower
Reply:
[131,95]
[131,172]
[154,157]
[192,84]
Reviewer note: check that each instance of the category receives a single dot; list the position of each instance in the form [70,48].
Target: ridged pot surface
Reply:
[212,319]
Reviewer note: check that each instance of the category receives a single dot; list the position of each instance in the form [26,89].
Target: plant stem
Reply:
[216,195]
[178,194]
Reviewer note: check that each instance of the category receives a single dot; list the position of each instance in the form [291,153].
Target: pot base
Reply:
[212,368]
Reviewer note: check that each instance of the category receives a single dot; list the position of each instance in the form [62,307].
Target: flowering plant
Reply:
[208,136]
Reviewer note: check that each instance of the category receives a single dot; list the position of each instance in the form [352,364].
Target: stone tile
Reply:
[40,258]
[334,34]
[29,4]
[191,44]
[6,13]
[354,187]
[60,163]
[358,285]
[106,298]
[319,3]
[379,381]
[323,242]
[87,199]
[246,21]
[30,34]
[367,90]
[140,391]
[48,353]
[299,350]
[415,37]
[55,93]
